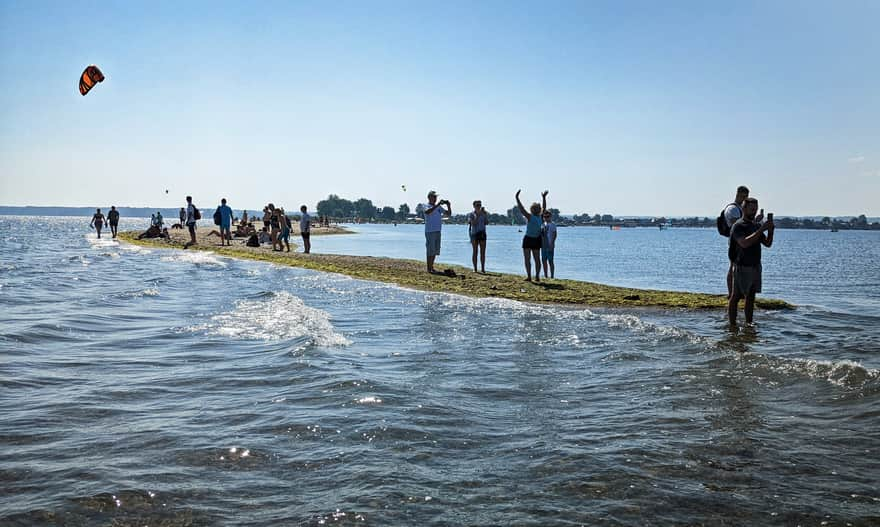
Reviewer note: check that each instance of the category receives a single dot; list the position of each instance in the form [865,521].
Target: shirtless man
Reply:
[113,218]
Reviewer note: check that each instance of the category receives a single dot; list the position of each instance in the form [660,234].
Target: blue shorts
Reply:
[547,255]
[285,235]
[432,243]
[225,226]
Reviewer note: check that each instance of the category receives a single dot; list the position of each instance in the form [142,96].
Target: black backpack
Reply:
[217,216]
[197,214]
[721,221]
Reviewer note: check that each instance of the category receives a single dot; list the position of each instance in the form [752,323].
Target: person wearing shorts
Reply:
[190,221]
[305,229]
[433,224]
[531,244]
[113,220]
[477,233]
[225,223]
[746,238]
[284,237]
[548,244]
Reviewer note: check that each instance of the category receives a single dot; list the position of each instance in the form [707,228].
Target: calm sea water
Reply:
[167,387]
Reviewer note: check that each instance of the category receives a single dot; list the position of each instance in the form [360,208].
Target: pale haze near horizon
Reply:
[637,108]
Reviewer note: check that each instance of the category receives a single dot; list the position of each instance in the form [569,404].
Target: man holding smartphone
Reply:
[433,224]
[746,238]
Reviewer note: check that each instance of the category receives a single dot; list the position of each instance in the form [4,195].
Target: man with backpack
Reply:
[746,238]
[192,215]
[730,215]
[223,219]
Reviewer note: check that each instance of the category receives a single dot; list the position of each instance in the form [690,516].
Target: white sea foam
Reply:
[279,316]
[195,257]
[844,373]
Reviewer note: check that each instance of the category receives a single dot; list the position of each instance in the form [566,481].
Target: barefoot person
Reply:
[477,232]
[284,237]
[113,219]
[305,229]
[730,215]
[548,244]
[531,244]
[225,223]
[191,219]
[97,222]
[433,224]
[746,238]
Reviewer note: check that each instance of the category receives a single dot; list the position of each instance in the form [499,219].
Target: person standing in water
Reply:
[531,244]
[97,222]
[746,238]
[113,219]
[477,232]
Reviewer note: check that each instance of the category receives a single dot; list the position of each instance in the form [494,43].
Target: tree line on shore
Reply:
[363,210]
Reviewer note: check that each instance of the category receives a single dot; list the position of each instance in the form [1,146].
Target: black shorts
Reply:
[479,236]
[305,235]
[114,224]
[192,228]
[530,242]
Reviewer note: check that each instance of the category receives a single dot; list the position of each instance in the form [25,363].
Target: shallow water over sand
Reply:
[142,386]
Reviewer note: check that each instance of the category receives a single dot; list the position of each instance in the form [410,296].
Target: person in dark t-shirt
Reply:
[746,238]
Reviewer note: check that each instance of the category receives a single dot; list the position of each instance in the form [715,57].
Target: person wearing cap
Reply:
[433,224]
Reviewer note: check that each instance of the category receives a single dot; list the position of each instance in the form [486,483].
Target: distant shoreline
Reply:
[607,221]
[412,274]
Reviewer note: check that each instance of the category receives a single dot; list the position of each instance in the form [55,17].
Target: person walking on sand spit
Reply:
[433,224]
[225,223]
[97,222]
[746,238]
[113,219]
[305,229]
[477,232]
[192,214]
[531,244]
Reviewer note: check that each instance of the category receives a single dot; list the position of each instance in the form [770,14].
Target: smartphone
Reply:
[769,216]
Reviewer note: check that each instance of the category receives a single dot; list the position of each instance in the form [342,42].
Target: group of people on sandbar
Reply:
[538,244]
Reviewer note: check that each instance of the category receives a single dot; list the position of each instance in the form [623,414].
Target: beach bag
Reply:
[721,221]
[217,216]
[197,214]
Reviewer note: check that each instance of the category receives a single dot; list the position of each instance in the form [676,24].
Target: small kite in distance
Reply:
[90,76]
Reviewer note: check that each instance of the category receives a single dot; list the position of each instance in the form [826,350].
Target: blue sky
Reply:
[619,107]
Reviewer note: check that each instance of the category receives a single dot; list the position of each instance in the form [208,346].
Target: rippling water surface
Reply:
[181,388]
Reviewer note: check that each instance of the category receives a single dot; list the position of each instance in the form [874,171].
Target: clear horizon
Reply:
[662,109]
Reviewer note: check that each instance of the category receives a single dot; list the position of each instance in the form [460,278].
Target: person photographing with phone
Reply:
[746,238]
[433,224]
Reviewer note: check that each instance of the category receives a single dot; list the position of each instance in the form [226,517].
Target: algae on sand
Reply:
[412,274]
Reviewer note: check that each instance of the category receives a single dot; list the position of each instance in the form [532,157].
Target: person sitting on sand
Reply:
[97,222]
[152,232]
[244,230]
[253,240]
[265,237]
[531,244]
[220,234]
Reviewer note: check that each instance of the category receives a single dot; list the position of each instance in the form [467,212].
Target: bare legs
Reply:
[749,307]
[481,245]
[535,254]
